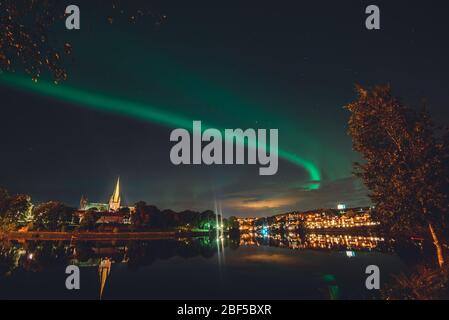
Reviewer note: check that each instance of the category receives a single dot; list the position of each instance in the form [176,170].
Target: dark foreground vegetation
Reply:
[406,169]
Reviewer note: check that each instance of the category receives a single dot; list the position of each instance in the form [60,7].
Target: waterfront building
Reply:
[110,213]
[113,205]
[114,202]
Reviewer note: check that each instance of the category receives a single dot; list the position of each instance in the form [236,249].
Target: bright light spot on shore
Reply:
[350,254]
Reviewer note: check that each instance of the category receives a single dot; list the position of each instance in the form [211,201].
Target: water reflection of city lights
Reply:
[295,241]
[350,254]
[265,231]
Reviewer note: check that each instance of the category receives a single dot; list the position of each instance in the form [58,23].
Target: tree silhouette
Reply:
[52,215]
[26,43]
[13,209]
[406,164]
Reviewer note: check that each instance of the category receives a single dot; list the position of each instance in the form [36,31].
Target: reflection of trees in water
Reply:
[414,253]
[9,256]
[39,255]
[83,250]
[32,256]
[144,253]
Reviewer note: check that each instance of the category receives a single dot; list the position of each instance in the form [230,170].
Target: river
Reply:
[312,266]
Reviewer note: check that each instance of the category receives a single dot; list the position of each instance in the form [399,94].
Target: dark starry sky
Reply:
[290,65]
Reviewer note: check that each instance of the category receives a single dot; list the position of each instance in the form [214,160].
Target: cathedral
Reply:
[113,205]
[114,202]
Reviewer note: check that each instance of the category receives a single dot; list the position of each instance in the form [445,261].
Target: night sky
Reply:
[290,65]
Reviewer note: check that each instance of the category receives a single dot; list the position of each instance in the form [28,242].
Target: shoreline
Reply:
[85,235]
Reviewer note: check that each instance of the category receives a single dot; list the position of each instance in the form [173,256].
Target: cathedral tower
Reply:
[114,202]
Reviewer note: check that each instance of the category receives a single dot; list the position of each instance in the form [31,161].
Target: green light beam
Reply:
[135,110]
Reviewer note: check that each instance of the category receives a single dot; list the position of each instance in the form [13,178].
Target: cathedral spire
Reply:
[103,270]
[114,202]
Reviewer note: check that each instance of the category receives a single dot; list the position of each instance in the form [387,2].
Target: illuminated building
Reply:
[111,212]
[329,219]
[246,224]
[86,205]
[114,201]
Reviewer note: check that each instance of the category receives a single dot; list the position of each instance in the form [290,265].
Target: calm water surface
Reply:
[311,267]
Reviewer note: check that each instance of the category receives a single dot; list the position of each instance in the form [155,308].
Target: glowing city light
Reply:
[350,254]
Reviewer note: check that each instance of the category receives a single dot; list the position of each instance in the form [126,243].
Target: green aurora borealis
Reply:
[131,83]
[137,110]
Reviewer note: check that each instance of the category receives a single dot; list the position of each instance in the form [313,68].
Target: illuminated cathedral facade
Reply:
[113,205]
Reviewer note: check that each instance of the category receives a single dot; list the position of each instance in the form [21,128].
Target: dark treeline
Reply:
[17,211]
[149,216]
